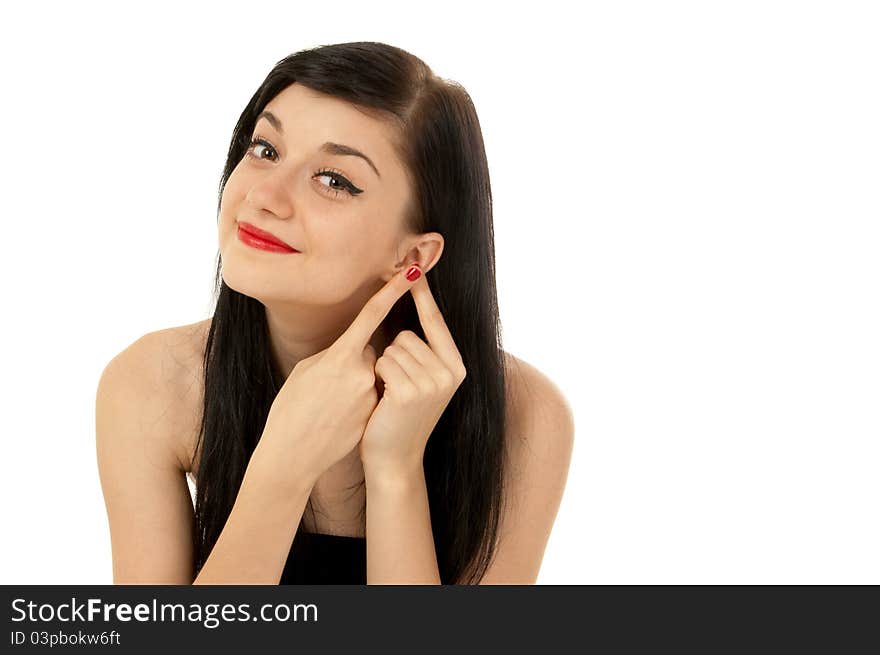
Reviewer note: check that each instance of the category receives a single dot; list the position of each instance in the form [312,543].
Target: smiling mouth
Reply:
[254,241]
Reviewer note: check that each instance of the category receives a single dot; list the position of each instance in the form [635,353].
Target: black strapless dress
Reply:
[317,558]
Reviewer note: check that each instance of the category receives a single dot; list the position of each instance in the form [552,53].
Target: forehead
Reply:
[310,118]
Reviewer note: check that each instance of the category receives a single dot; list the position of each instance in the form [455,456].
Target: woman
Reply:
[359,421]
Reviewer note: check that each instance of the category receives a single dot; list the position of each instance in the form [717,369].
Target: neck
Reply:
[295,334]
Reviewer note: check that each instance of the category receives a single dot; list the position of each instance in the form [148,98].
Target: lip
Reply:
[257,238]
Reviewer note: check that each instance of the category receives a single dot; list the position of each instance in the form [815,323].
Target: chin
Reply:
[246,278]
[263,284]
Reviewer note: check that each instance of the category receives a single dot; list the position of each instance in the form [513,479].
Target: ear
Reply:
[422,249]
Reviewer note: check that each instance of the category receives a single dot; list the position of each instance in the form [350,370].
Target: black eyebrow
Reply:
[329,147]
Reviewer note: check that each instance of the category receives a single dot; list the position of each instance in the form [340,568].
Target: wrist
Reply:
[393,474]
[267,471]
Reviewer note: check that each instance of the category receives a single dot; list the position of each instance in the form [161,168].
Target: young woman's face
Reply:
[348,239]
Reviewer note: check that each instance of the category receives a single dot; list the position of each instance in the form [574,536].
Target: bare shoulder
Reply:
[141,426]
[183,349]
[165,367]
[540,423]
[532,396]
[539,436]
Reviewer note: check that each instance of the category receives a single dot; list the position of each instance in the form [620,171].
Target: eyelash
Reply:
[348,187]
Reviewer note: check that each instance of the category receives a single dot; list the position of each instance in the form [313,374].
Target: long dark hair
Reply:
[441,146]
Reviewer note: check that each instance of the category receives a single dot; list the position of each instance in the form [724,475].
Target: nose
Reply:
[273,191]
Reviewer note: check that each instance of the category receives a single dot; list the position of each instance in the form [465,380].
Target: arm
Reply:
[147,498]
[400,543]
[256,540]
[539,439]
[148,503]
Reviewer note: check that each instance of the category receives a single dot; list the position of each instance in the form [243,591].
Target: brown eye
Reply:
[345,185]
[258,142]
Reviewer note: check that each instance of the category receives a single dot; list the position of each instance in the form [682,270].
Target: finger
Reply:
[411,342]
[394,377]
[358,334]
[436,331]
[420,351]
[420,375]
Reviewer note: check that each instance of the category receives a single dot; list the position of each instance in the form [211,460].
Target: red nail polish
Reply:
[413,273]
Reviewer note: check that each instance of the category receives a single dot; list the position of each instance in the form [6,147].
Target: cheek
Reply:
[365,250]
[351,266]
[226,229]
[230,204]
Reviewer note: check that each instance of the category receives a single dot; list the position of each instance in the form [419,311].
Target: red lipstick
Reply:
[257,238]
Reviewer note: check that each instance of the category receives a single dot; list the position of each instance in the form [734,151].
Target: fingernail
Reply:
[413,273]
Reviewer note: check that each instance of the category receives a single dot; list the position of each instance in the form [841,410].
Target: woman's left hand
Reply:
[420,380]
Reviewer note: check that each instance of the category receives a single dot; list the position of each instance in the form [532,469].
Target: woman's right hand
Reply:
[322,409]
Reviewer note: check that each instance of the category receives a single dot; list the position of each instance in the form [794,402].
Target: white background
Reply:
[686,214]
